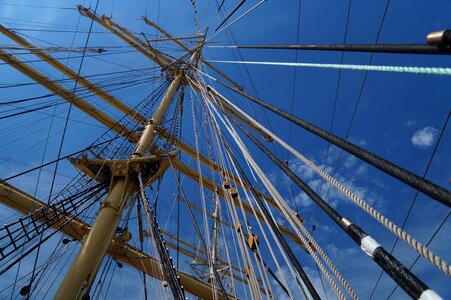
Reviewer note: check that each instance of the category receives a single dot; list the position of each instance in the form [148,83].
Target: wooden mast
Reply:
[84,268]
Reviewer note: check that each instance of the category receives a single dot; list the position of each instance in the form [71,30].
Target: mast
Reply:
[83,270]
[215,229]
[136,161]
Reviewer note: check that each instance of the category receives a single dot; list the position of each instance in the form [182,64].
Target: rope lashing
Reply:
[394,69]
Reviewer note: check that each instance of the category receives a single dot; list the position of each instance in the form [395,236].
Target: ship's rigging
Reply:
[246,233]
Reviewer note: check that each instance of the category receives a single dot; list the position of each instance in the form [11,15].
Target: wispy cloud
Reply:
[410,123]
[425,137]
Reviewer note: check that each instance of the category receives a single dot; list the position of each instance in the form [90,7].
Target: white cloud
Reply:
[303,200]
[425,137]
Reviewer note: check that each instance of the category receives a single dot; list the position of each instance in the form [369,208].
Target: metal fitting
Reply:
[346,222]
[439,38]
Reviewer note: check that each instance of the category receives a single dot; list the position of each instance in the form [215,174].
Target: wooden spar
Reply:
[107,23]
[209,184]
[86,83]
[169,36]
[67,95]
[160,56]
[154,54]
[77,229]
[174,246]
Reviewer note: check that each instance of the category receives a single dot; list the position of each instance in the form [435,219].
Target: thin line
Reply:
[62,139]
[412,204]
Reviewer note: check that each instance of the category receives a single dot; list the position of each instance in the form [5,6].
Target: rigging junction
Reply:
[125,181]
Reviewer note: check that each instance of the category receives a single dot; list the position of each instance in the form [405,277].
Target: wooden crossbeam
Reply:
[146,50]
[67,95]
[86,83]
[127,254]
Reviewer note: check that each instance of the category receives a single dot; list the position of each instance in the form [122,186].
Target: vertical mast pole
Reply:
[215,229]
[79,278]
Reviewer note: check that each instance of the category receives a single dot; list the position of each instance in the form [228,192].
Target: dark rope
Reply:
[425,186]
[228,17]
[402,276]
[379,48]
[170,272]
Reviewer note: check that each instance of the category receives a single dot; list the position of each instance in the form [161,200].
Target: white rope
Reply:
[395,69]
[254,212]
[400,233]
[295,219]
[254,289]
[282,204]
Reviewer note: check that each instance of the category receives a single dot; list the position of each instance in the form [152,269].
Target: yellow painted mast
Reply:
[82,273]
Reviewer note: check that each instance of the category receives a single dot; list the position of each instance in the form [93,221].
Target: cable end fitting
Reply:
[439,38]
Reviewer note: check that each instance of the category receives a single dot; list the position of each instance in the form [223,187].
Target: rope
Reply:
[412,242]
[169,272]
[238,18]
[242,242]
[407,280]
[425,186]
[381,48]
[281,203]
[228,17]
[395,69]
[266,214]
[311,239]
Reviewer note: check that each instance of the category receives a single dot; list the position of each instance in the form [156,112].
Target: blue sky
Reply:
[399,115]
